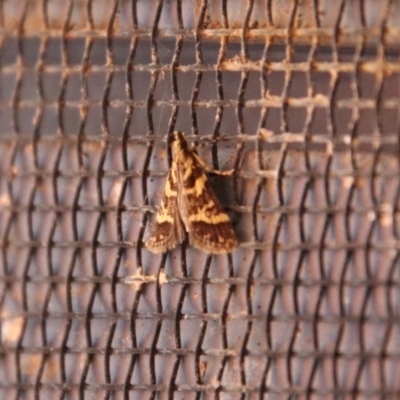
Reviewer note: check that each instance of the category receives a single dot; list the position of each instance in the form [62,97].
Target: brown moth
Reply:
[190,205]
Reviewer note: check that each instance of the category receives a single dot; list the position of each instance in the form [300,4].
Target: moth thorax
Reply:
[179,148]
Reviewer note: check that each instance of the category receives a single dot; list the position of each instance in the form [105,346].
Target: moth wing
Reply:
[208,226]
[168,230]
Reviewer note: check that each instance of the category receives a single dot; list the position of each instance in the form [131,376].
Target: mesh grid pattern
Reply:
[301,98]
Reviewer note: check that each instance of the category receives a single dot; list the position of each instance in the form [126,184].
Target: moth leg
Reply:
[211,170]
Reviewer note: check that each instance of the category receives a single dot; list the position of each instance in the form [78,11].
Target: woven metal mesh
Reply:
[304,99]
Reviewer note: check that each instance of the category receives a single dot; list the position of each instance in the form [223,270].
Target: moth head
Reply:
[179,143]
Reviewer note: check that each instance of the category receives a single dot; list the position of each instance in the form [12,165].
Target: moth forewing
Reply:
[168,229]
[190,203]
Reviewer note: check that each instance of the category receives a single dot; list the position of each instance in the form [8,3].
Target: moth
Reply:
[190,206]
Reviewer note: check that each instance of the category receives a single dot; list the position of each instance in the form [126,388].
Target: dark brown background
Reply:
[306,98]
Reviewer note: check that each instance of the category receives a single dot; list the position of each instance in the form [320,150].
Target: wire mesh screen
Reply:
[300,98]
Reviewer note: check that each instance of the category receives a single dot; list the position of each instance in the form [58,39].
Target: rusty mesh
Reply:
[300,98]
